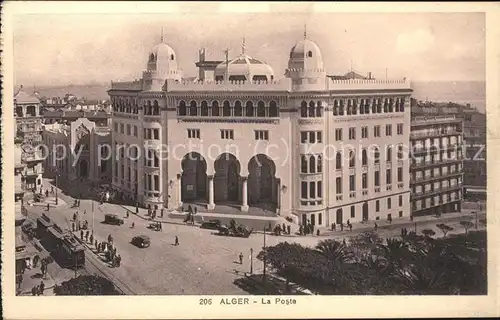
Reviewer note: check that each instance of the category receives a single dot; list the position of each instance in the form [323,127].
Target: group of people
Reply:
[38,289]
[87,235]
[341,226]
[109,251]
[78,225]
[190,216]
[307,228]
[76,203]
[282,229]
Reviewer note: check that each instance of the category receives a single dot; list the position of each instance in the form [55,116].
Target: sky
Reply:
[61,49]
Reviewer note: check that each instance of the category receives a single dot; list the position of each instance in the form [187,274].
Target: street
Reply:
[203,263]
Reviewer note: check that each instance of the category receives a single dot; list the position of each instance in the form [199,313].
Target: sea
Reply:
[462,92]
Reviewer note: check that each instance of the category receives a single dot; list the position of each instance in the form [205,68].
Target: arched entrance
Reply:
[365,211]
[227,179]
[340,218]
[84,168]
[262,187]
[193,178]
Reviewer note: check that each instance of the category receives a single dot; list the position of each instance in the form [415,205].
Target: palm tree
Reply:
[393,254]
[334,251]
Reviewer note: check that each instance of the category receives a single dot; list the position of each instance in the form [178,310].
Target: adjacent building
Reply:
[86,146]
[436,164]
[101,118]
[307,146]
[29,125]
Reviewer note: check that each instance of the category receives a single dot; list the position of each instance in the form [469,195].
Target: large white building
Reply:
[237,136]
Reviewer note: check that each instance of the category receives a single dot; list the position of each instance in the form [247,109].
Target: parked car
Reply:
[240,231]
[113,219]
[212,224]
[141,241]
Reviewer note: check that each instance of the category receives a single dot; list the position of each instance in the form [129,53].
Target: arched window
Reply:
[386,105]
[319,109]
[273,109]
[338,160]
[249,109]
[374,105]
[261,109]
[312,164]
[377,155]
[303,109]
[379,105]
[149,108]
[215,108]
[352,159]
[364,158]
[355,106]
[193,108]
[204,108]
[362,106]
[389,154]
[335,107]
[238,109]
[309,54]
[152,57]
[226,109]
[391,105]
[171,57]
[349,107]
[311,109]
[341,108]
[303,164]
[402,105]
[156,108]
[367,106]
[319,164]
[400,152]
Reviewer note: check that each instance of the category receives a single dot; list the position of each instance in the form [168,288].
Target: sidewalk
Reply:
[33,277]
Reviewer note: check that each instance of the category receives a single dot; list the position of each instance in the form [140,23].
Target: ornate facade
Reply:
[306,146]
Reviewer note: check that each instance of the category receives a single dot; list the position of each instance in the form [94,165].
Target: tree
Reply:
[444,228]
[467,225]
[334,251]
[86,286]
[428,233]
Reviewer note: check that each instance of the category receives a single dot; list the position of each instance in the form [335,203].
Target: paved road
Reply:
[203,263]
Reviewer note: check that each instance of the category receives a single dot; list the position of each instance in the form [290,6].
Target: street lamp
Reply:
[57,186]
[251,261]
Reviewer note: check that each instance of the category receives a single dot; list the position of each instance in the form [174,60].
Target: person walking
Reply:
[48,207]
[342,227]
[350,226]
[73,226]
[317,232]
[46,193]
[288,229]
[241,258]
[87,233]
[42,287]
[376,226]
[133,225]
[176,242]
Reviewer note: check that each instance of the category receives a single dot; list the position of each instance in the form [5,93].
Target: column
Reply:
[244,195]
[211,204]
[179,191]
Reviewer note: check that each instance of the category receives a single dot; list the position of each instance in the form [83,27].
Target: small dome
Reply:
[162,52]
[305,54]
[245,68]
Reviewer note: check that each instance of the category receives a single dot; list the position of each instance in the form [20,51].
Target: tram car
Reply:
[62,244]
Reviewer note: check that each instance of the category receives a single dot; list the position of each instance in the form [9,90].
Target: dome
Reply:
[305,54]
[244,68]
[162,51]
[162,60]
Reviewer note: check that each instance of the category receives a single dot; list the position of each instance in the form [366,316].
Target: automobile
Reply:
[141,241]
[113,219]
[212,224]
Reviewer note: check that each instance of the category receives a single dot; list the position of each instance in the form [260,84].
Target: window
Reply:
[338,134]
[156,183]
[364,133]
[353,211]
[319,189]
[377,178]
[309,54]
[376,131]
[128,129]
[400,214]
[388,129]
[400,152]
[400,174]
[377,206]
[399,129]
[116,126]
[352,159]
[193,133]
[227,134]
[312,189]
[400,201]
[311,137]
[338,161]
[304,135]
[135,131]
[261,135]
[388,176]
[352,182]
[388,154]
[319,164]
[156,134]
[303,164]
[303,193]
[352,133]
[364,158]
[364,181]
[122,127]
[389,203]
[338,185]
[377,155]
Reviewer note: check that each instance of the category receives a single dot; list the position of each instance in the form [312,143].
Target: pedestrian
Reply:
[127,214]
[87,236]
[241,258]
[176,241]
[48,207]
[312,229]
[33,291]
[348,222]
[42,287]
[343,241]
[317,232]
[342,227]
[161,212]
[411,217]
[300,230]
[190,209]
[284,227]
[118,260]
[46,193]
[91,238]
[73,226]
[195,210]
[350,226]
[81,234]
[288,229]
[52,189]
[133,225]
[96,244]
[84,211]
[402,232]
[376,226]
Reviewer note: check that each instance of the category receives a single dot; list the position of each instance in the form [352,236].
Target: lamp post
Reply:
[136,197]
[251,261]
[57,186]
